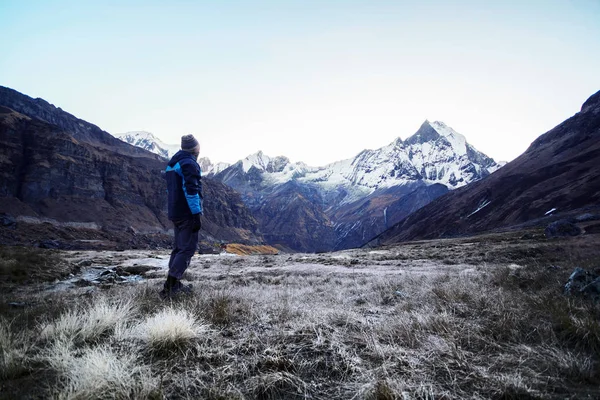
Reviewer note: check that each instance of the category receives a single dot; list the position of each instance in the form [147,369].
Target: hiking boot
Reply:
[173,287]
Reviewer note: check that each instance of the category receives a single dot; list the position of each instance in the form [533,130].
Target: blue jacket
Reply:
[184,186]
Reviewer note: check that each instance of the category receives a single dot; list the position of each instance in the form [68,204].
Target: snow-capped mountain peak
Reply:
[148,141]
[260,161]
[457,141]
[436,153]
[442,155]
[275,169]
[431,132]
[208,168]
[359,196]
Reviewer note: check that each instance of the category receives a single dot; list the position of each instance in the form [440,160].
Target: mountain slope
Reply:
[79,129]
[379,211]
[47,172]
[560,170]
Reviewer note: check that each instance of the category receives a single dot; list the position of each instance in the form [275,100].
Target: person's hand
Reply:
[197,224]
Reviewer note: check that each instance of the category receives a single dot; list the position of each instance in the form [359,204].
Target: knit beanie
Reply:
[190,144]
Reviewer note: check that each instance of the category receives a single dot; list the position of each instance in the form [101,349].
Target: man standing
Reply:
[184,187]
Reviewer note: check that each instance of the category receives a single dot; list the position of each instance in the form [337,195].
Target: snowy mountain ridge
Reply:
[208,168]
[436,153]
[275,169]
[148,141]
[343,204]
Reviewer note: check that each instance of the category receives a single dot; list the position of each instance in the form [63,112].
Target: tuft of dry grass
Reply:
[277,385]
[89,322]
[169,328]
[99,373]
[395,324]
[12,353]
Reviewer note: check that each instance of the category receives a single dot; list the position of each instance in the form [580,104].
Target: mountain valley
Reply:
[353,200]
[62,171]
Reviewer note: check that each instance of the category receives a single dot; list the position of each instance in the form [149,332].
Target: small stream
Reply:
[109,270]
[98,274]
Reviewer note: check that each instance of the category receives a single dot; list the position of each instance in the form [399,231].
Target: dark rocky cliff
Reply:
[48,172]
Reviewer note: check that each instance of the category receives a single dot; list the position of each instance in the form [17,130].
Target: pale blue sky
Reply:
[317,81]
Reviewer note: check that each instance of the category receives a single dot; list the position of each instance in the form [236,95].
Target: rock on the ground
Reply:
[562,228]
[207,249]
[82,283]
[582,282]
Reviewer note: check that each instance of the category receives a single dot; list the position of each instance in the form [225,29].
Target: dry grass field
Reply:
[471,318]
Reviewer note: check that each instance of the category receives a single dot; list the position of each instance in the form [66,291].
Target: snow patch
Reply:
[482,205]
[380,252]
[457,141]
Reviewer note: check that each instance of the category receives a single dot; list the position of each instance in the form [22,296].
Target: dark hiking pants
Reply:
[184,247]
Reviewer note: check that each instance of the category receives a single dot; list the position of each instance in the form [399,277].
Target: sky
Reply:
[316,81]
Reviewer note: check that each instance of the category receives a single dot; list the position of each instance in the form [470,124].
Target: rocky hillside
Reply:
[79,129]
[47,172]
[357,198]
[559,173]
[50,173]
[380,211]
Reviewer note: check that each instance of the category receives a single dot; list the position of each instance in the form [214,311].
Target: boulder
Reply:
[562,228]
[110,276]
[582,282]
[82,283]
